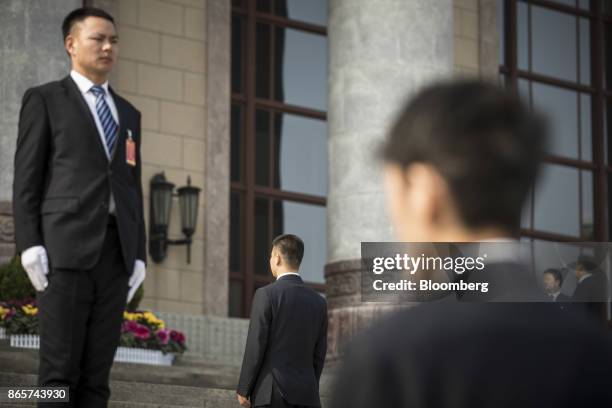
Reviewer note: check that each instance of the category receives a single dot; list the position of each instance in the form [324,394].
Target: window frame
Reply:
[246,188]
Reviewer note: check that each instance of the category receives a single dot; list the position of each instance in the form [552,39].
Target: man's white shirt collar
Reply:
[588,275]
[85,83]
[287,273]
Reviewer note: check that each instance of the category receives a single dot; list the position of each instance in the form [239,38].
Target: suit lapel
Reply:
[74,94]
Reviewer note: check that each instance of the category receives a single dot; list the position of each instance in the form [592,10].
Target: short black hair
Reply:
[484,142]
[556,274]
[80,14]
[291,248]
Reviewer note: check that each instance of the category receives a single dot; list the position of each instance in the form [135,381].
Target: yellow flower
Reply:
[3,312]
[131,316]
[29,310]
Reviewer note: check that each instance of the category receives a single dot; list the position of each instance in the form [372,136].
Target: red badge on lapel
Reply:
[130,149]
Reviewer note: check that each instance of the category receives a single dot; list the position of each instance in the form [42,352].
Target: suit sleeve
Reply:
[31,154]
[257,342]
[321,347]
[142,235]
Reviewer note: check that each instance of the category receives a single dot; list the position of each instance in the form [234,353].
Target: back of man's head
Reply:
[291,249]
[482,140]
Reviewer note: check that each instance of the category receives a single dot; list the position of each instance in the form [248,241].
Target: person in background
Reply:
[287,338]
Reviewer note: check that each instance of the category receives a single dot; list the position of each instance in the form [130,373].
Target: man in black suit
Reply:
[78,210]
[460,161]
[592,288]
[287,339]
[553,280]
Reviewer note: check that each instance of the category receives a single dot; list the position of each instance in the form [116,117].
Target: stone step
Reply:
[143,395]
[187,371]
[192,381]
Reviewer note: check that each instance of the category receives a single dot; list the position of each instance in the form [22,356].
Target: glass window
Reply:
[262,57]
[561,106]
[236,143]
[302,154]
[237,55]
[586,135]
[236,298]
[523,36]
[607,56]
[309,222]
[311,11]
[585,51]
[236,217]
[587,216]
[261,237]
[301,68]
[607,131]
[557,200]
[262,147]
[526,213]
[554,45]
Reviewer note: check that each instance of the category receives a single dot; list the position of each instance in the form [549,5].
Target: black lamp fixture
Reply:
[159,215]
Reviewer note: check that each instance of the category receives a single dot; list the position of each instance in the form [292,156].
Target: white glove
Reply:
[138,276]
[35,262]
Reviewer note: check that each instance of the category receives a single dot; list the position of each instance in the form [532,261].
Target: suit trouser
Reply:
[277,400]
[80,316]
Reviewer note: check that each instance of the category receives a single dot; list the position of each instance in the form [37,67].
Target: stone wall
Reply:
[31,53]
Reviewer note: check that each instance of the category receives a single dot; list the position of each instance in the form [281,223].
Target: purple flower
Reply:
[129,326]
[163,336]
[142,332]
[177,336]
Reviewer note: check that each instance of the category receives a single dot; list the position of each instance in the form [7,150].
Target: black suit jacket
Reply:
[467,354]
[590,295]
[286,344]
[63,179]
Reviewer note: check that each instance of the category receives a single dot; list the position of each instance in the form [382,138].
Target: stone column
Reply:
[380,53]
[31,53]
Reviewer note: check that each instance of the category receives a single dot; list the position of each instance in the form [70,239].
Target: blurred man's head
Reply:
[460,161]
[286,255]
[583,266]
[91,41]
[552,279]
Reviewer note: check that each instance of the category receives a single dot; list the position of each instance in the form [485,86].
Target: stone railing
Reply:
[218,339]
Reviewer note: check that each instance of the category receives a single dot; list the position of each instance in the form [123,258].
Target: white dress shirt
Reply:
[588,275]
[84,84]
[287,273]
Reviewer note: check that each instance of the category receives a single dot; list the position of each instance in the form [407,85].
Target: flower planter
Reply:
[123,354]
[143,356]
[29,341]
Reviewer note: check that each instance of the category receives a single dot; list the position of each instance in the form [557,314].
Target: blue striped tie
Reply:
[106,118]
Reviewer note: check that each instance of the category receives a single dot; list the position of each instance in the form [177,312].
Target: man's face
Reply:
[579,271]
[551,285]
[93,45]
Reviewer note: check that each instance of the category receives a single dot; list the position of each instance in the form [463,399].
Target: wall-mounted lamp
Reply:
[159,215]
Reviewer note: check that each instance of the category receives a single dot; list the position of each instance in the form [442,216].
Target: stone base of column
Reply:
[347,314]
[7,232]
